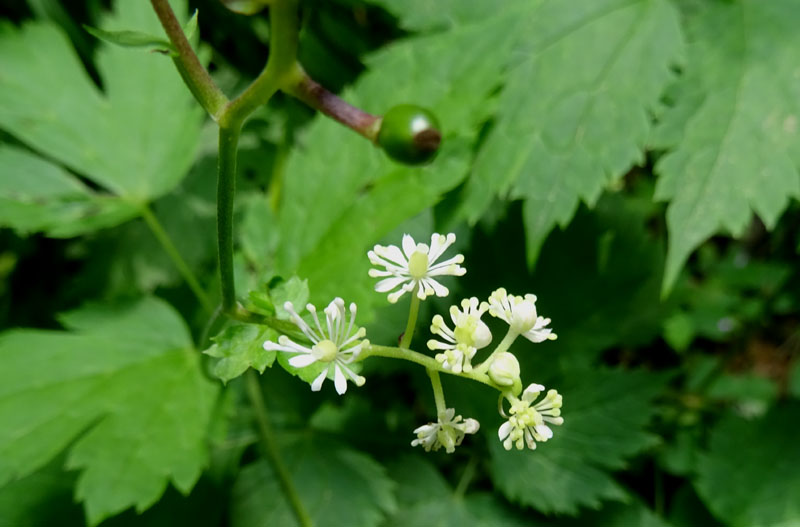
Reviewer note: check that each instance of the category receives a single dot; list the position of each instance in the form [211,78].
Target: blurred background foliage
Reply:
[606,155]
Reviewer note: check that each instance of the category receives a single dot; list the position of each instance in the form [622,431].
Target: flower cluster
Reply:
[469,335]
[520,313]
[526,423]
[332,344]
[447,432]
[413,268]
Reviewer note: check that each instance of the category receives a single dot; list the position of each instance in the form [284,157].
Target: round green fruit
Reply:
[410,134]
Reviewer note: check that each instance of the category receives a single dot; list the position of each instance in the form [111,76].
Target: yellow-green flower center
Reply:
[418,265]
[325,350]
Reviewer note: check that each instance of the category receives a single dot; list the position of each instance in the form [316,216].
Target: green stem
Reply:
[429,363]
[191,70]
[466,478]
[226,190]
[284,27]
[413,311]
[166,243]
[438,392]
[306,89]
[509,339]
[270,446]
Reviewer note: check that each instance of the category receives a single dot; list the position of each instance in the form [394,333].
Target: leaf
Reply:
[338,487]
[758,485]
[341,195]
[137,39]
[605,412]
[618,515]
[36,195]
[736,151]
[123,388]
[132,39]
[425,498]
[41,498]
[579,84]
[241,347]
[135,140]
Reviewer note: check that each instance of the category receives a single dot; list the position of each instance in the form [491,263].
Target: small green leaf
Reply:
[246,7]
[132,39]
[339,487]
[240,347]
[190,28]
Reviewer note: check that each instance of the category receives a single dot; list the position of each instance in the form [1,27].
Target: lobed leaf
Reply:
[605,413]
[123,387]
[733,134]
[749,475]
[338,487]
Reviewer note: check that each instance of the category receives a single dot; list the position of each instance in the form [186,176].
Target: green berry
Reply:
[410,134]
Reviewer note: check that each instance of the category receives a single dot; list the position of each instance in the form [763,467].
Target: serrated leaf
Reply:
[358,194]
[734,150]
[591,73]
[338,486]
[41,498]
[135,139]
[36,195]
[579,83]
[749,476]
[124,387]
[241,347]
[605,413]
[617,515]
[425,498]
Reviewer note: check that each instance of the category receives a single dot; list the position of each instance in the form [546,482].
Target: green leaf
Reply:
[591,73]
[240,347]
[337,485]
[425,498]
[357,194]
[36,195]
[135,140]
[733,134]
[41,498]
[617,515]
[132,39]
[605,412]
[749,476]
[123,388]
[580,80]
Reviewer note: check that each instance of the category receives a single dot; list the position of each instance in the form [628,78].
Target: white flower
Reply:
[520,313]
[414,267]
[447,432]
[332,344]
[470,335]
[526,424]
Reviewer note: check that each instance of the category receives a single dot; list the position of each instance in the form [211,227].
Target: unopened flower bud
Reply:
[504,369]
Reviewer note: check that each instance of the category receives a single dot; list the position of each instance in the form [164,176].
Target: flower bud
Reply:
[504,370]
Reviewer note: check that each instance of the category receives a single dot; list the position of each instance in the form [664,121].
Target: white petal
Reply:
[504,431]
[339,380]
[393,254]
[438,288]
[439,244]
[544,431]
[409,245]
[317,384]
[301,361]
[388,284]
